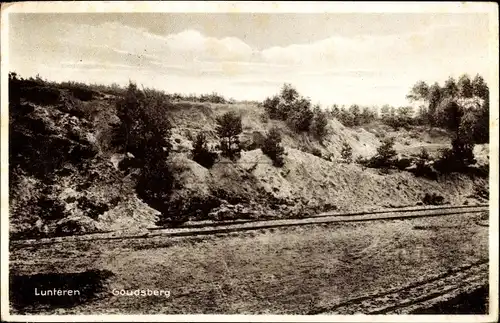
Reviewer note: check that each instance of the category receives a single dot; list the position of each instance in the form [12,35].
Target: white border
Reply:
[268,7]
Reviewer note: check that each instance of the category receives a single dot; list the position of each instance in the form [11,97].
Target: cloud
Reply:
[380,67]
[185,46]
[117,43]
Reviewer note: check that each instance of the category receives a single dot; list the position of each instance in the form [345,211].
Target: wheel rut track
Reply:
[404,300]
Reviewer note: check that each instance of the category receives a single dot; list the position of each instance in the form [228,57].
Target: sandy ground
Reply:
[289,271]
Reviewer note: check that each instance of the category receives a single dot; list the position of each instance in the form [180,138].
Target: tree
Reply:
[482,125]
[228,128]
[385,154]
[422,115]
[356,114]
[335,111]
[405,116]
[289,93]
[271,106]
[419,92]
[465,86]
[201,153]
[345,117]
[144,128]
[458,158]
[144,132]
[368,115]
[449,114]
[300,116]
[385,112]
[319,123]
[479,87]
[435,96]
[272,147]
[346,152]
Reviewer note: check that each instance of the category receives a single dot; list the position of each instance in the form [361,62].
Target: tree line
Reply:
[460,106]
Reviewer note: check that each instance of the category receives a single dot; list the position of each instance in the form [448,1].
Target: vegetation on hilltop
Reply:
[296,111]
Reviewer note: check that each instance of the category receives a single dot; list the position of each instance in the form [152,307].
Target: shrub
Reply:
[346,153]
[258,139]
[300,116]
[92,208]
[456,159]
[271,106]
[289,106]
[319,123]
[192,208]
[423,169]
[422,166]
[229,127]
[51,208]
[201,153]
[79,91]
[264,118]
[345,117]
[45,95]
[316,152]
[403,163]
[423,155]
[273,149]
[385,154]
[481,192]
[365,162]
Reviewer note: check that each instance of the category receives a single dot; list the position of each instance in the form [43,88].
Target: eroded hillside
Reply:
[65,176]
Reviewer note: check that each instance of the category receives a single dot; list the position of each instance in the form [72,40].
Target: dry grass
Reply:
[289,271]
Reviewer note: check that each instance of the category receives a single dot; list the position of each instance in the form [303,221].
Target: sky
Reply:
[341,58]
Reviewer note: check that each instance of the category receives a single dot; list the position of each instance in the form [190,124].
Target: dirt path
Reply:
[418,295]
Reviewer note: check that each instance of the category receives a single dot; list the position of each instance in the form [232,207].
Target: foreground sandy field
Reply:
[297,270]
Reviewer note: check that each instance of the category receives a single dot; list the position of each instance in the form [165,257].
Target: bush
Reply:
[229,127]
[300,116]
[402,163]
[346,153]
[365,162]
[79,90]
[264,118]
[422,166]
[45,95]
[319,123]
[346,118]
[456,159]
[316,152]
[385,155]
[423,155]
[201,153]
[184,209]
[289,106]
[271,106]
[272,147]
[423,169]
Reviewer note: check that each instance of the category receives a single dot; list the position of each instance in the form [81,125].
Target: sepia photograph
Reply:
[233,161]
